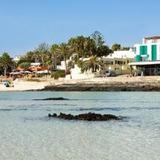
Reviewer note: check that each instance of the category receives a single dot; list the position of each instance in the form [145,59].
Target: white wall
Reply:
[158,52]
[122,54]
[149,52]
[62,66]
[77,74]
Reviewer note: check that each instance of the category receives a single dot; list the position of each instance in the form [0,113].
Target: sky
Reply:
[24,24]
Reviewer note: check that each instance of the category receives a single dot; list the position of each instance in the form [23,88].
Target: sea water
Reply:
[26,133]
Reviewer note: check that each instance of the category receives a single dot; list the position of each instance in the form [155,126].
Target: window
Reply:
[154,52]
[143,50]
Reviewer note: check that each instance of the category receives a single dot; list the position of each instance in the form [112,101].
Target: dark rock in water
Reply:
[86,117]
[52,115]
[52,99]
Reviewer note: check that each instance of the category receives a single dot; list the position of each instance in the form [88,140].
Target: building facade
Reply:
[119,60]
[147,56]
[149,50]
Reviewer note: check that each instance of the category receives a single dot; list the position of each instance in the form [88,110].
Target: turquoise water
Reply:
[26,133]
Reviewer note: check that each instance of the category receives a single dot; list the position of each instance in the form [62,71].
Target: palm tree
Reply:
[78,44]
[42,53]
[6,62]
[36,56]
[55,53]
[65,51]
[94,64]
[90,46]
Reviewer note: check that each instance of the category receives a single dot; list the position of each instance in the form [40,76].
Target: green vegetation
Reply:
[54,55]
[94,64]
[25,65]
[33,80]
[6,63]
[118,47]
[75,51]
[58,74]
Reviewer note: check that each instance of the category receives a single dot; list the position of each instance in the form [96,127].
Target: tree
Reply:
[78,45]
[116,47]
[6,62]
[98,38]
[125,48]
[55,53]
[103,51]
[28,57]
[101,48]
[93,64]
[83,46]
[65,51]
[25,65]
[42,53]
[89,46]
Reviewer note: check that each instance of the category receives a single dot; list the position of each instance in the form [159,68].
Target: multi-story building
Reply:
[147,56]
[149,50]
[119,60]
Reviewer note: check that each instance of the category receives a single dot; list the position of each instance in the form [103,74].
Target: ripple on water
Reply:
[27,133]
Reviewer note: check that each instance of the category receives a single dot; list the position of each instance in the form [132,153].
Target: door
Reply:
[154,52]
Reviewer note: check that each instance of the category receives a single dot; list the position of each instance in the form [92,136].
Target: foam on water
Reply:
[26,132]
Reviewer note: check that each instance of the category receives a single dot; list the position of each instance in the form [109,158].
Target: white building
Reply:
[62,66]
[128,54]
[118,61]
[148,50]
[147,59]
[77,74]
[17,58]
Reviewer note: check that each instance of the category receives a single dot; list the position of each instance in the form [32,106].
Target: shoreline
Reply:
[101,87]
[120,83]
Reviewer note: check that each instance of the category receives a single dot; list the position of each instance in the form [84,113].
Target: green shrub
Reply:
[25,65]
[41,75]
[58,74]
[33,80]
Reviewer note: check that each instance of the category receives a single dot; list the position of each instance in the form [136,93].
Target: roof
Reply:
[122,54]
[35,64]
[153,37]
[144,63]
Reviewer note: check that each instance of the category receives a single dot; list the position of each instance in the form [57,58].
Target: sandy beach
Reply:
[120,83]
[22,85]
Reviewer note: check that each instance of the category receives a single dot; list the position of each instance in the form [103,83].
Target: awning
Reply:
[42,72]
[21,72]
[144,63]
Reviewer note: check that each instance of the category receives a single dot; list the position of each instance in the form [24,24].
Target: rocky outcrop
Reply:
[110,86]
[86,117]
[52,99]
